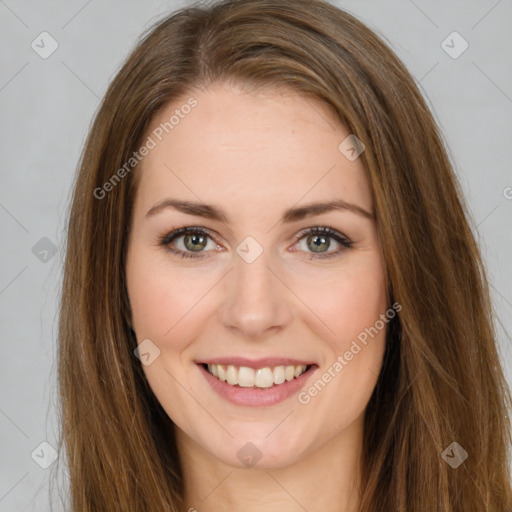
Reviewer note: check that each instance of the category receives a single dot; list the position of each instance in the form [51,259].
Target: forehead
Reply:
[250,149]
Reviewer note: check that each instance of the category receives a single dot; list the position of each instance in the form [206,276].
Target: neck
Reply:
[326,478]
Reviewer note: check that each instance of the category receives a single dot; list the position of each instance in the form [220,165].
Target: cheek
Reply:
[346,301]
[162,306]
[362,300]
[350,303]
[160,299]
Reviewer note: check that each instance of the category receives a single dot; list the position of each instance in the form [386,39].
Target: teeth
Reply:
[221,371]
[232,375]
[261,378]
[264,378]
[298,371]
[279,375]
[245,377]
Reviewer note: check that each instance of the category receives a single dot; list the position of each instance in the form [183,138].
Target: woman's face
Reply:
[253,288]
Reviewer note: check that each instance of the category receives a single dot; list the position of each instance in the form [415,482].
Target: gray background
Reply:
[47,105]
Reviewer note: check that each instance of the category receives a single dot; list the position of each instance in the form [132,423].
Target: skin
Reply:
[256,155]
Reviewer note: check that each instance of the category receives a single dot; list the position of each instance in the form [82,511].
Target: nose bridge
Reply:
[255,300]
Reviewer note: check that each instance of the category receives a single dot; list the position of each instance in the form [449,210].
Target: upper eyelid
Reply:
[327,230]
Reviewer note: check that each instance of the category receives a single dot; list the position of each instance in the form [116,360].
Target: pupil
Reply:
[198,242]
[318,241]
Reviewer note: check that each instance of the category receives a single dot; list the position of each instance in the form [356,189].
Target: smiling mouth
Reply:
[263,378]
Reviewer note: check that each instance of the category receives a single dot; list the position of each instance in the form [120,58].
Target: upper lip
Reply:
[256,363]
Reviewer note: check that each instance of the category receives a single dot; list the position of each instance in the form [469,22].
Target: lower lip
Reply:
[254,397]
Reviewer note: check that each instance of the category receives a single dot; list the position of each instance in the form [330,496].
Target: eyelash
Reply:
[318,230]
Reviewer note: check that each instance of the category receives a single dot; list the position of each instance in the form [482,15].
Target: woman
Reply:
[272,298]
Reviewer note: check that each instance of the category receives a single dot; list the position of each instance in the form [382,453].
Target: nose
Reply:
[257,302]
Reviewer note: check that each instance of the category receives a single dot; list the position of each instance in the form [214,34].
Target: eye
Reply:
[193,242]
[189,242]
[319,241]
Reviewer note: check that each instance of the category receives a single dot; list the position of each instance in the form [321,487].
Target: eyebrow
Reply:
[290,215]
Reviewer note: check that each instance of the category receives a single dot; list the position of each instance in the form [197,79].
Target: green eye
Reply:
[194,241]
[319,240]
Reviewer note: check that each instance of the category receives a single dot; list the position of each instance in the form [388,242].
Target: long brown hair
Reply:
[442,381]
